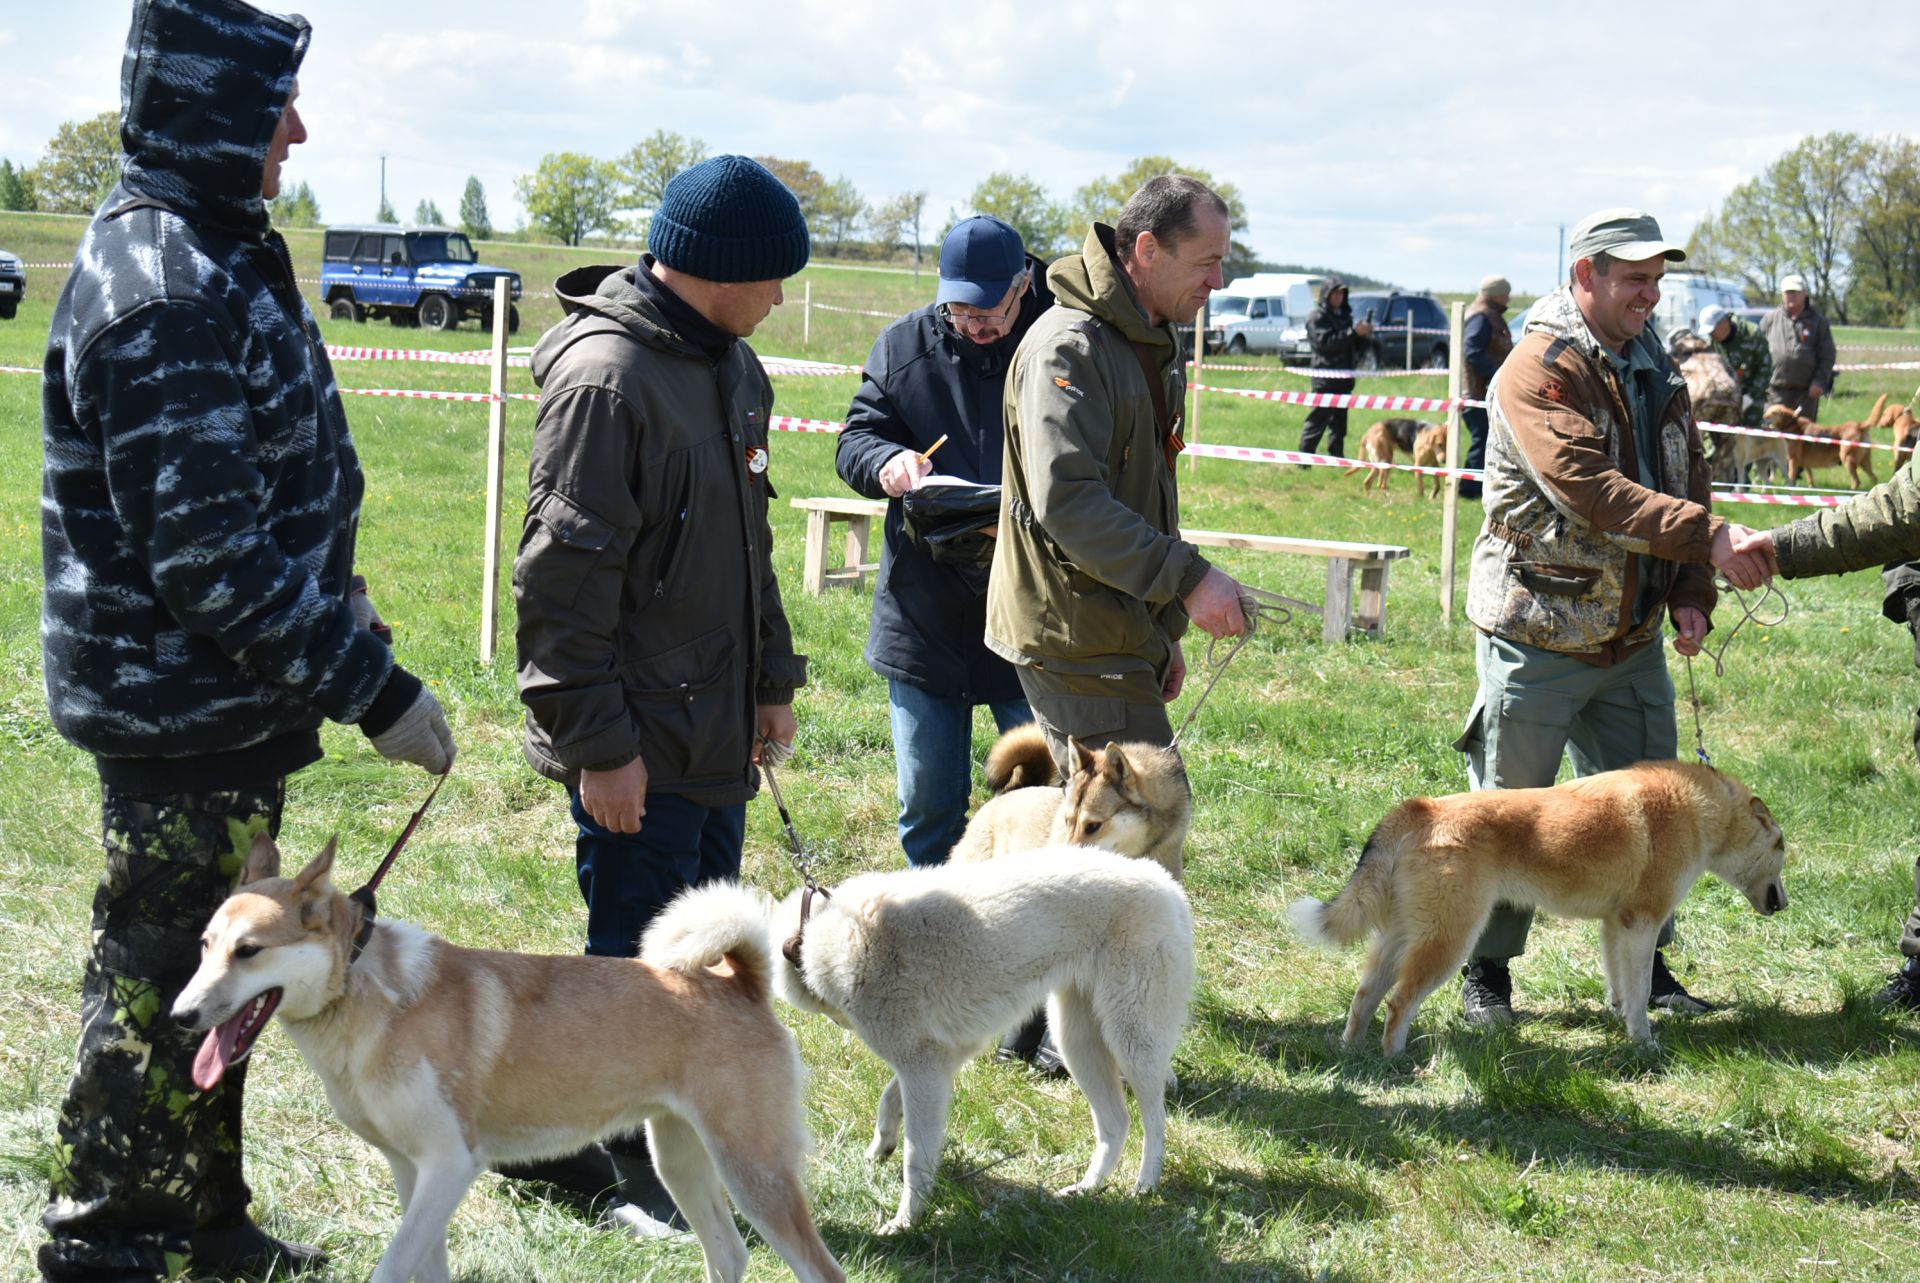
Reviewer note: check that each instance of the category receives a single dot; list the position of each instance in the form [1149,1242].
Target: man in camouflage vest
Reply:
[1487,341]
[1597,530]
[1746,350]
[1882,525]
[200,509]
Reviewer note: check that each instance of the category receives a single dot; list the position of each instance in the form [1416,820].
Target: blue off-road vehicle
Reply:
[426,276]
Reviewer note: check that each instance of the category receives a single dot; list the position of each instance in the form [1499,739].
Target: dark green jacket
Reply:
[1872,529]
[1089,567]
[650,620]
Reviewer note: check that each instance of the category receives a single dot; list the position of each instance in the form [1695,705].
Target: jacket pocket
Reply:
[560,546]
[689,704]
[1552,580]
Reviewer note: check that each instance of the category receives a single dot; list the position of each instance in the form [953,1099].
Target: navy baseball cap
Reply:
[978,262]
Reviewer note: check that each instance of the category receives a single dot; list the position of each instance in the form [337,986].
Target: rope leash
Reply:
[1749,611]
[1256,604]
[364,896]
[802,862]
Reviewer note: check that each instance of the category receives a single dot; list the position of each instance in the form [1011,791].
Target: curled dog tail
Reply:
[1020,759]
[722,920]
[1362,906]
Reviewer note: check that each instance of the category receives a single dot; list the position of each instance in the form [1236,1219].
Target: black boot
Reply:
[248,1251]
[1902,993]
[584,1180]
[1667,993]
[1486,992]
[1024,1039]
[644,1208]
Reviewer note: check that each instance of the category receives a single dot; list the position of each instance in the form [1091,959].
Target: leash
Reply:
[1748,612]
[364,896]
[1256,604]
[802,862]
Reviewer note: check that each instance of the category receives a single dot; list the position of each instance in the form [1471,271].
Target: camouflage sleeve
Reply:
[1872,529]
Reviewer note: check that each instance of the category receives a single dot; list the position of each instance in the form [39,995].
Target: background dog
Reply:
[928,965]
[1844,444]
[1378,444]
[1621,846]
[447,1059]
[1132,799]
[1430,451]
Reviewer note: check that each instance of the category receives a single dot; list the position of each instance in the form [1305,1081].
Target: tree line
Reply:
[1842,211]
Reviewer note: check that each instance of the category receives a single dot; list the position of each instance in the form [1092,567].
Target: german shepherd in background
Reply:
[1132,799]
[1622,847]
[448,1059]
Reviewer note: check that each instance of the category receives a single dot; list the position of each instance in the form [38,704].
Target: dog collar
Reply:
[364,898]
[791,950]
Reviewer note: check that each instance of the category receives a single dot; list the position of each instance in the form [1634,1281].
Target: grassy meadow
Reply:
[1777,1139]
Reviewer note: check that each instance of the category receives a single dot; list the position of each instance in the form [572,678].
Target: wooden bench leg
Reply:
[1372,612]
[858,530]
[814,573]
[1339,610]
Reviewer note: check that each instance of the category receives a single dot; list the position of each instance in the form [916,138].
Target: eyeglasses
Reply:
[1002,315]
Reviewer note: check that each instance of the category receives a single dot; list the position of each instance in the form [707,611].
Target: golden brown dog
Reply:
[1844,444]
[1378,446]
[1623,847]
[1430,451]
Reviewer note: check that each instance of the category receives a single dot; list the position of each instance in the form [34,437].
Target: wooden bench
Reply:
[1338,615]
[859,515]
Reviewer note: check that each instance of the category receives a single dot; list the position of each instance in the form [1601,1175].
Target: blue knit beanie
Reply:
[729,219]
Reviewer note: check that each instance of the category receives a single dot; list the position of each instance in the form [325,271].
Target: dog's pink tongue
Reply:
[216,1053]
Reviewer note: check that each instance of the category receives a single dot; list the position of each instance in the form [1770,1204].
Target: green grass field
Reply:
[1775,1140]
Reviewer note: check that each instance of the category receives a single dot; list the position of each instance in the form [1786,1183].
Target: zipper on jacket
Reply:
[668,554]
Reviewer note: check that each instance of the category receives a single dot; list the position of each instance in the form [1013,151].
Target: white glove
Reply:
[421,737]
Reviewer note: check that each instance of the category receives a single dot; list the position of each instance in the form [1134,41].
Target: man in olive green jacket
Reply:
[1880,526]
[1092,586]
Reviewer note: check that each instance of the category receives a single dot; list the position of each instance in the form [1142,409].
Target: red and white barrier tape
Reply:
[1345,400]
[1889,365]
[19,369]
[341,352]
[1876,347]
[855,311]
[416,394]
[1738,430]
[1304,372]
[800,366]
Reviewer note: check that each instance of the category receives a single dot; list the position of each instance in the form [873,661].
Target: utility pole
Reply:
[383,180]
[1560,260]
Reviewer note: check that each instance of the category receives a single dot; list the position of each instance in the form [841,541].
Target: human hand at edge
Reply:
[1692,627]
[421,736]
[1176,675]
[1214,604]
[774,729]
[1746,562]
[616,800]
[903,472]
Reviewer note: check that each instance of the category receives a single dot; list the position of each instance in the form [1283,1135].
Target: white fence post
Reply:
[1450,516]
[496,464]
[1199,372]
[806,316]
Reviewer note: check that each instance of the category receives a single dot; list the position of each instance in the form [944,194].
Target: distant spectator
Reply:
[1802,346]
[1746,350]
[1336,344]
[1488,340]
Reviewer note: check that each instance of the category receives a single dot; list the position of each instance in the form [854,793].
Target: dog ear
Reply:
[315,874]
[263,860]
[1115,766]
[1762,814]
[1082,758]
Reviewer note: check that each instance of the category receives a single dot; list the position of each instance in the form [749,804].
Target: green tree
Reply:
[571,196]
[16,187]
[650,164]
[473,210]
[1101,201]
[1045,225]
[427,211]
[386,213]
[296,206]
[895,222]
[842,209]
[808,186]
[1885,253]
[81,165]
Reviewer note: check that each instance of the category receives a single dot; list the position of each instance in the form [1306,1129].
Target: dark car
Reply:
[1391,313]
[13,284]
[426,276]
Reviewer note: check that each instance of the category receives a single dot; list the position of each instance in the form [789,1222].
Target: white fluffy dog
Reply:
[929,965]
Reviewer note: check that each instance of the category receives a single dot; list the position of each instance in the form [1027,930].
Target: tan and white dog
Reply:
[928,965]
[1132,799]
[1623,847]
[449,1059]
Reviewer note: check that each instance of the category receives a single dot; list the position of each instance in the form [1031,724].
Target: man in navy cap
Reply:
[940,372]
[656,664]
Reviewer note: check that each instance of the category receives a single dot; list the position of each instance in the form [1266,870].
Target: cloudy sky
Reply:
[1425,143]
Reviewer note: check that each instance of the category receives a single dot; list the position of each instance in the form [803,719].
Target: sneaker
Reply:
[1669,994]
[1486,992]
[1047,1060]
[248,1251]
[645,1224]
[1902,993]
[1023,1040]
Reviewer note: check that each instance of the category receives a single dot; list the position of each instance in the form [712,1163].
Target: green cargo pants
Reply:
[143,1157]
[1099,709]
[1534,705]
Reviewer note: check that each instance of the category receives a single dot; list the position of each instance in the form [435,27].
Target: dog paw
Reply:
[880,1150]
[898,1225]
[1075,1189]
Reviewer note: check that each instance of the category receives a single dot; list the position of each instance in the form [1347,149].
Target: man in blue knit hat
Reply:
[656,664]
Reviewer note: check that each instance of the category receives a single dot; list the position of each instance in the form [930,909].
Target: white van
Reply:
[1683,294]
[1265,312]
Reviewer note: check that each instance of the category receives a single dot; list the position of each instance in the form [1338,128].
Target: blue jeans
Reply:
[627,878]
[933,764]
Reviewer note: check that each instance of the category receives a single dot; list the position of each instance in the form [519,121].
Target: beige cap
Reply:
[1793,281]
[1628,234]
[1495,286]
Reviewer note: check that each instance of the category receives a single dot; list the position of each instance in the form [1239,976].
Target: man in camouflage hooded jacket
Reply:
[201,501]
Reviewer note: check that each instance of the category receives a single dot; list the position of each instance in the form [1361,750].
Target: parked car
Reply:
[426,276]
[1684,294]
[1391,313]
[1265,312]
[13,284]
